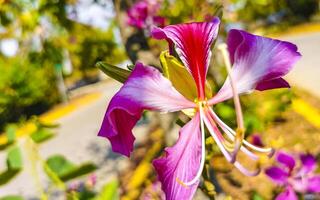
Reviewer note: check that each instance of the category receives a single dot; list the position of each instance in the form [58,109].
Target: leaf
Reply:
[180,78]
[7,175]
[53,176]
[109,191]
[12,197]
[14,159]
[41,135]
[11,133]
[80,170]
[66,170]
[114,72]
[59,164]
[257,196]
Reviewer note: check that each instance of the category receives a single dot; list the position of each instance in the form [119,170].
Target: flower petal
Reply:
[273,84]
[181,162]
[286,159]
[138,14]
[288,194]
[314,184]
[258,63]
[277,175]
[145,88]
[309,163]
[192,42]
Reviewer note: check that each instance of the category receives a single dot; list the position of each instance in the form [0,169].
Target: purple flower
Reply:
[258,63]
[142,14]
[295,178]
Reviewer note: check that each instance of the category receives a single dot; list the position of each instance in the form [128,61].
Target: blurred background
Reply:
[53,97]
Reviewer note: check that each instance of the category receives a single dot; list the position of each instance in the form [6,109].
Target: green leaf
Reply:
[7,175]
[109,191]
[66,170]
[14,159]
[41,135]
[53,176]
[59,164]
[256,196]
[12,197]
[225,111]
[11,133]
[84,168]
[114,72]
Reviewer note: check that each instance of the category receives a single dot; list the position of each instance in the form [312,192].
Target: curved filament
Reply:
[214,131]
[231,134]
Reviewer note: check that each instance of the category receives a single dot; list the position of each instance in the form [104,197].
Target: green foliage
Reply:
[109,191]
[181,11]
[66,170]
[43,132]
[11,133]
[288,11]
[14,165]
[7,175]
[11,197]
[14,159]
[41,135]
[101,47]
[53,176]
[256,196]
[47,38]
[259,109]
[25,89]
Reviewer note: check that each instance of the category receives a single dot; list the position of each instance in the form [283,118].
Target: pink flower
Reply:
[258,63]
[143,14]
[300,178]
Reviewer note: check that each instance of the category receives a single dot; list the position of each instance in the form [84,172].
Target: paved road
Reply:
[76,139]
[307,72]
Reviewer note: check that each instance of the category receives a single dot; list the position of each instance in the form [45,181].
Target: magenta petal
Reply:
[138,14]
[314,184]
[277,175]
[288,194]
[159,21]
[309,163]
[286,159]
[272,84]
[145,88]
[257,62]
[192,42]
[182,161]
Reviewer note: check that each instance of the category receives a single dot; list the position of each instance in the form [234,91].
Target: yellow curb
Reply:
[54,114]
[311,114]
[64,110]
[298,30]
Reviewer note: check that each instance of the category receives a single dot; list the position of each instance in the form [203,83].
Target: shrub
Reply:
[25,89]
